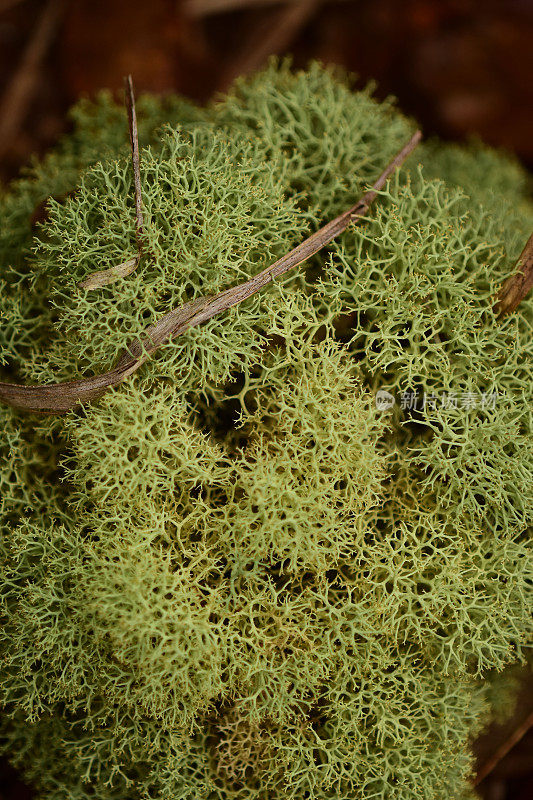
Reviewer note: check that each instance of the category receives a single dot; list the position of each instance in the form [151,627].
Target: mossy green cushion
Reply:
[233,576]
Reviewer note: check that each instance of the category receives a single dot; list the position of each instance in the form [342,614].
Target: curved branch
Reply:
[62,397]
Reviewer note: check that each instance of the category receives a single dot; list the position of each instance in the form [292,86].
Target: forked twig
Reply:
[106,276]
[62,397]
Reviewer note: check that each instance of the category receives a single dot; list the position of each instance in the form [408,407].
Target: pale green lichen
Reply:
[232,576]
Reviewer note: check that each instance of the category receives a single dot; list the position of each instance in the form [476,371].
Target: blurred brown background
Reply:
[462,67]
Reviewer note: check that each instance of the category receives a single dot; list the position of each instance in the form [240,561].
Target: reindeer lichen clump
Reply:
[233,576]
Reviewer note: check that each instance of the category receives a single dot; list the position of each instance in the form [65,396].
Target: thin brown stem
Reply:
[61,397]
[135,161]
[106,276]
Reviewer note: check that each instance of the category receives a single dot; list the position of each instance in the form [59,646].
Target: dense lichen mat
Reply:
[236,575]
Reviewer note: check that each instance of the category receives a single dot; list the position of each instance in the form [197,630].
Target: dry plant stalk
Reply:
[106,276]
[517,286]
[63,397]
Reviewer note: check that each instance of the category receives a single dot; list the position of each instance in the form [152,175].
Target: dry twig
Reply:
[517,286]
[134,142]
[103,277]
[61,397]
